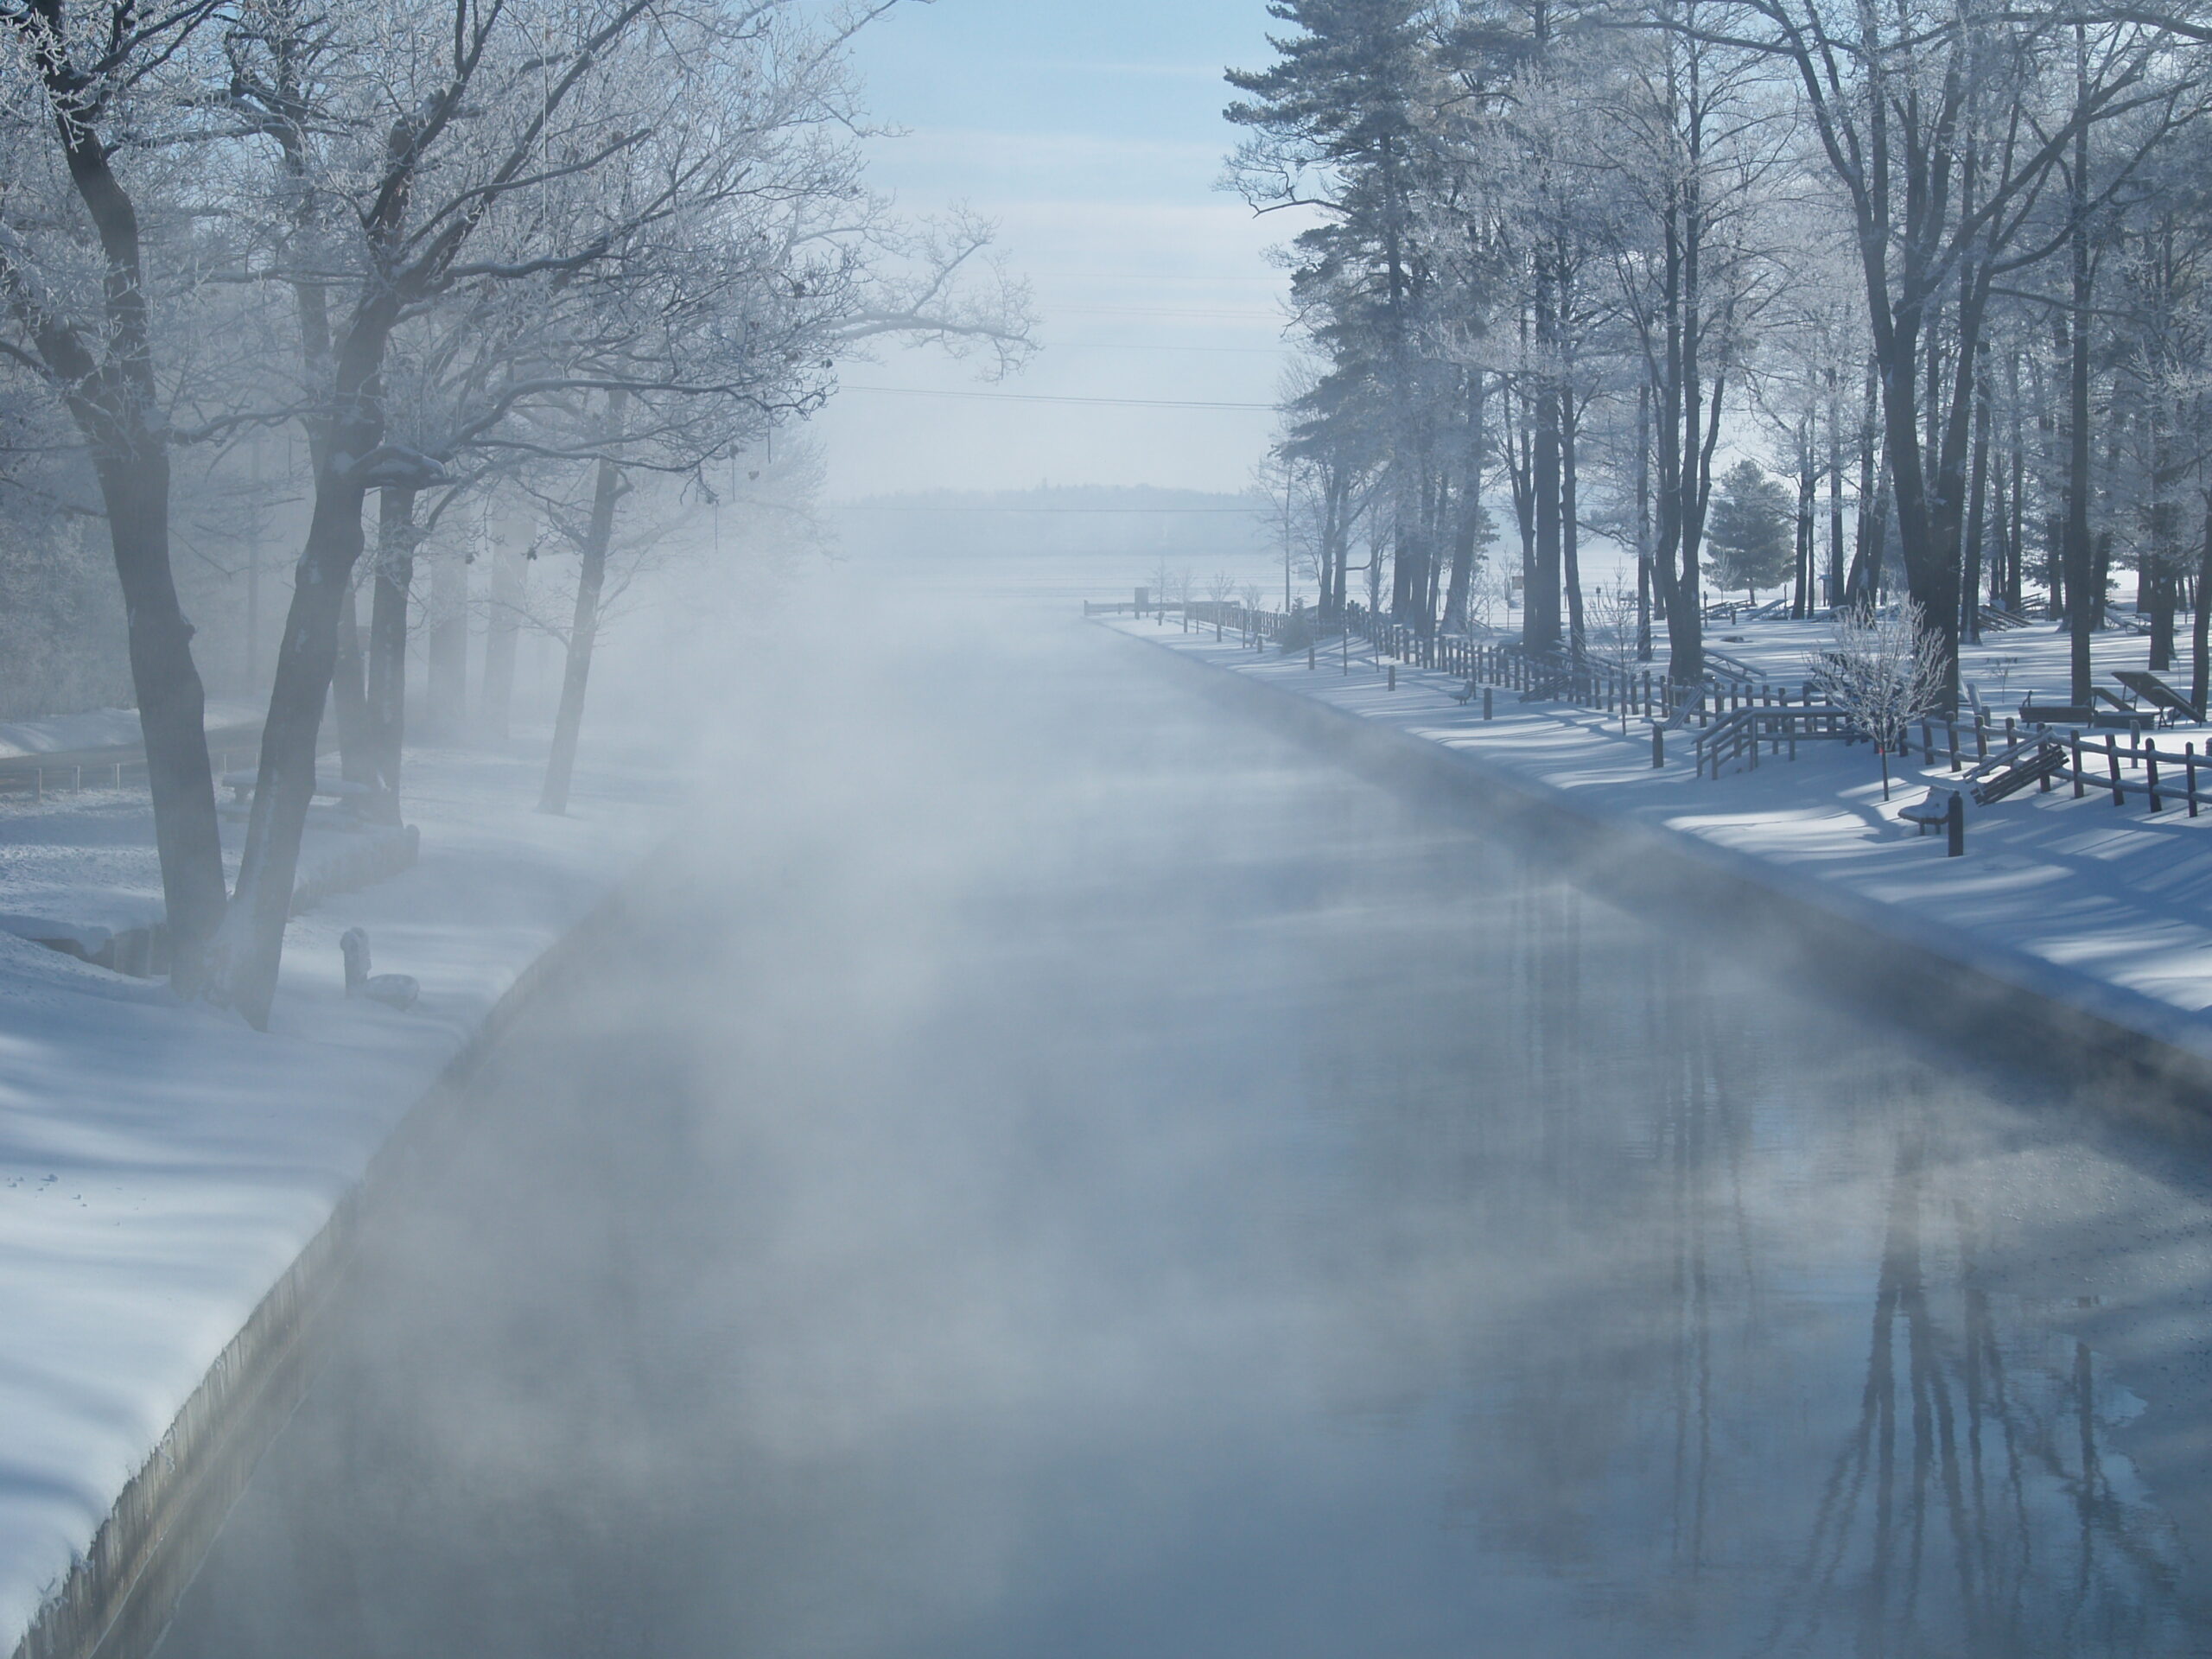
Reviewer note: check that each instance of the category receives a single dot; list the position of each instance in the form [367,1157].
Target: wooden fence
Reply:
[2159,778]
[1582,679]
[1734,718]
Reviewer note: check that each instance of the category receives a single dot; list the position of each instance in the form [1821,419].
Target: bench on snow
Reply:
[242,782]
[2147,688]
[1932,811]
[2090,715]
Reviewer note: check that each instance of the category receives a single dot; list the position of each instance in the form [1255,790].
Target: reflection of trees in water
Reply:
[1664,1330]
[1973,1508]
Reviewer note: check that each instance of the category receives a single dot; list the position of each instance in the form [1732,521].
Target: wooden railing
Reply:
[2157,776]
[1778,724]
[1733,718]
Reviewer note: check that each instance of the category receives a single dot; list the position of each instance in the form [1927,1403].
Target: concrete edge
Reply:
[1960,990]
[118,1598]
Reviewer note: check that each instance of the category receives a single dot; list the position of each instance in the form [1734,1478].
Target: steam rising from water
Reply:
[1048,1168]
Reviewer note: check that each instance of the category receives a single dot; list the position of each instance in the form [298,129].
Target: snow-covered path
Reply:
[1057,1170]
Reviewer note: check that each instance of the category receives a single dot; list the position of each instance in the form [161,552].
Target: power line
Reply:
[1165,311]
[893,506]
[1043,397]
[1124,346]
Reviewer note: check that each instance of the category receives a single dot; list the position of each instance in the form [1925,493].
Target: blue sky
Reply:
[1092,133]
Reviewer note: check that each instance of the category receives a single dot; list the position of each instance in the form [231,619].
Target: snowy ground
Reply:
[104,728]
[161,1165]
[2004,668]
[2108,907]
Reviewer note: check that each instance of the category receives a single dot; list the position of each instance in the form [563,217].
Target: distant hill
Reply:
[1128,520]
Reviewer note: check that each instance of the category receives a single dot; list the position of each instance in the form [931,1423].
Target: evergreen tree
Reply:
[1748,535]
[1338,125]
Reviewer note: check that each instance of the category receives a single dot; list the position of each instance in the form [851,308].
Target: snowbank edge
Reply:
[117,1599]
[2150,1059]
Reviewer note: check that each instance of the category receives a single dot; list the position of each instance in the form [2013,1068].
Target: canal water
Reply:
[1047,1167]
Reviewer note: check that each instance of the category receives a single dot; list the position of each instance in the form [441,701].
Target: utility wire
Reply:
[1043,397]
[893,506]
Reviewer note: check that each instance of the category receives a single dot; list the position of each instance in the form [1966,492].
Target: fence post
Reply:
[1393,671]
[1954,826]
[1658,745]
[2150,769]
[2078,786]
[1952,726]
[2111,766]
[1981,735]
[1486,694]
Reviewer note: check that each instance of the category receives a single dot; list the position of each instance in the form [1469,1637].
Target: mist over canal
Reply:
[1047,1167]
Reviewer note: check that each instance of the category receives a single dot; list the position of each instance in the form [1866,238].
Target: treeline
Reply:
[1946,268]
[549,263]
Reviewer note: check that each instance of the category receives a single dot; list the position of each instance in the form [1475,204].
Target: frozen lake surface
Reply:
[1053,1170]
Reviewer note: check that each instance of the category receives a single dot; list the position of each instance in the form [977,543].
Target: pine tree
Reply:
[1748,535]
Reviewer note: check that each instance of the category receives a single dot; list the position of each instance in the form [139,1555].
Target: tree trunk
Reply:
[172,707]
[1801,598]
[1570,539]
[1540,631]
[388,619]
[250,945]
[2081,612]
[2158,576]
[2016,529]
[2200,631]
[1643,522]
[1866,555]
[510,571]
[349,705]
[1467,530]
[1833,597]
[445,651]
[1521,473]
[583,632]
[1977,513]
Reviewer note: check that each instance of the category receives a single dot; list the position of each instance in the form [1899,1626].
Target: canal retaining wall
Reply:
[119,1596]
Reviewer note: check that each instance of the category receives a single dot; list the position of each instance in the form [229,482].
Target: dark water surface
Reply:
[1055,1171]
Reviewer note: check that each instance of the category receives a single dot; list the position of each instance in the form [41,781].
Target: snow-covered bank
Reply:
[2103,909]
[104,728]
[161,1165]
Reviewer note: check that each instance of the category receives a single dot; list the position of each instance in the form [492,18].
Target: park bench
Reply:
[2035,758]
[2148,688]
[351,798]
[1931,812]
[2119,716]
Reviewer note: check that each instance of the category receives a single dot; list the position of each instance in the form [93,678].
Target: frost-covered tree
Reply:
[1885,669]
[96,261]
